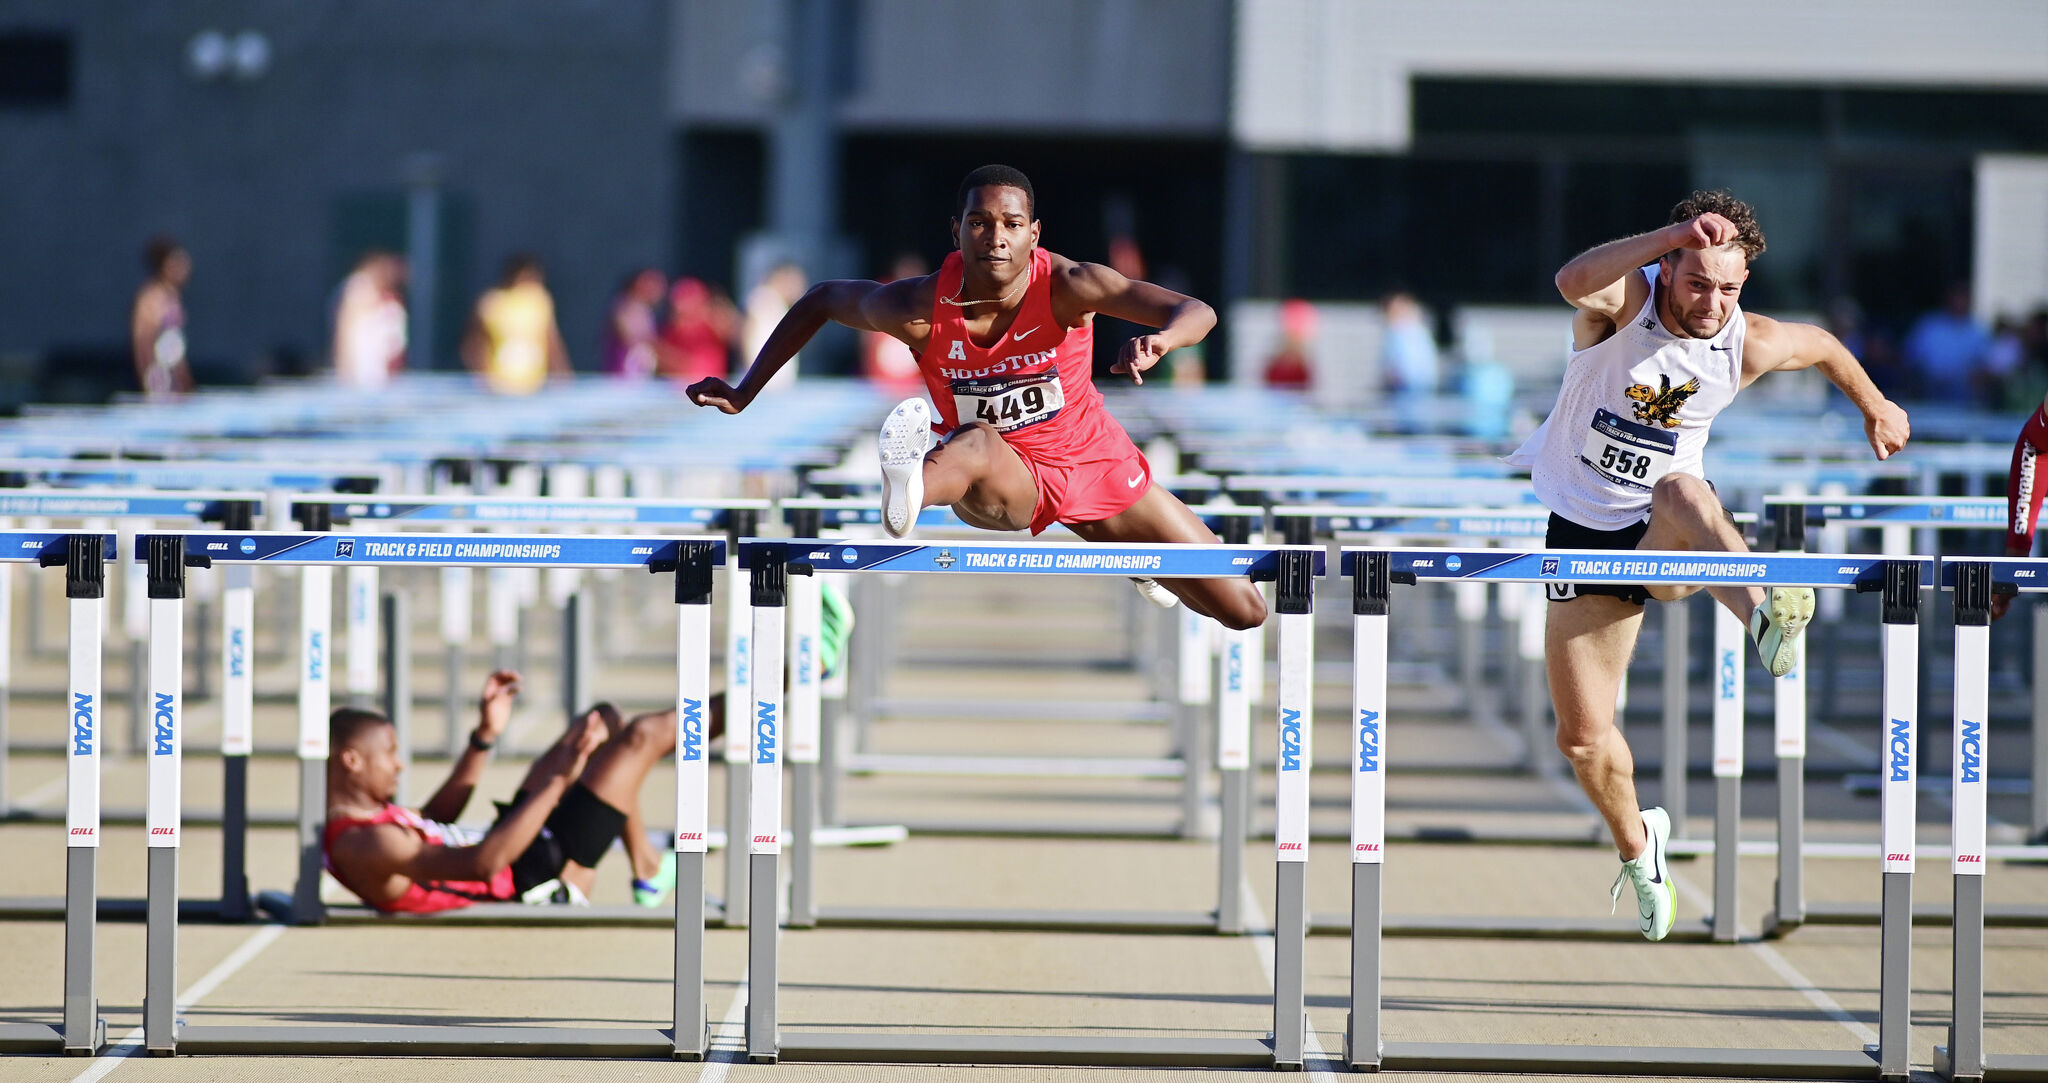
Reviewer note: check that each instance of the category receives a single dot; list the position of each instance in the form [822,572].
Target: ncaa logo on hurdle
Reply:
[848,556]
[248,547]
[166,723]
[1452,563]
[690,749]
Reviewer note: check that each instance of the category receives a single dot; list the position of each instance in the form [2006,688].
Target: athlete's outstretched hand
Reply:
[1705,231]
[712,391]
[495,705]
[1886,425]
[1137,355]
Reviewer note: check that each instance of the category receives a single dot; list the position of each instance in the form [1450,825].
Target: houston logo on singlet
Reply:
[81,724]
[1290,740]
[1368,741]
[691,748]
[1902,750]
[1972,765]
[764,732]
[1008,364]
[166,723]
[1659,405]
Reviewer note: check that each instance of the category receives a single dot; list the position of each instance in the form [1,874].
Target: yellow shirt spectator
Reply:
[513,342]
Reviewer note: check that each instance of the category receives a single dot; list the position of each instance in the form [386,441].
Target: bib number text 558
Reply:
[1622,461]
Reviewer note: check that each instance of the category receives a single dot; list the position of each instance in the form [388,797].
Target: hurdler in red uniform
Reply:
[1004,339]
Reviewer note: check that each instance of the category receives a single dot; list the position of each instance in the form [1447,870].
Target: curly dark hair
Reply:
[1748,235]
[1000,176]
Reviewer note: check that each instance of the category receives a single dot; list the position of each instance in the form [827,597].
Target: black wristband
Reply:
[480,746]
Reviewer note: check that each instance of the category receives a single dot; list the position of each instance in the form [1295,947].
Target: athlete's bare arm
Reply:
[494,713]
[901,309]
[1081,288]
[143,328]
[1778,346]
[1602,284]
[376,862]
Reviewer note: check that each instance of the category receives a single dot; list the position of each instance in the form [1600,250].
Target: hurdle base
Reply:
[1170,829]
[1069,921]
[30,1038]
[51,908]
[2021,1068]
[1631,1060]
[2007,915]
[1621,927]
[278,904]
[426,1041]
[1050,1052]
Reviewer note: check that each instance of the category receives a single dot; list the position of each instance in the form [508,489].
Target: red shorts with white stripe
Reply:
[1101,480]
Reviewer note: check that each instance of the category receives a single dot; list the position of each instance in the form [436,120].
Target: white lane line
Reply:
[728,1045]
[1702,903]
[132,1044]
[1814,994]
[1317,1062]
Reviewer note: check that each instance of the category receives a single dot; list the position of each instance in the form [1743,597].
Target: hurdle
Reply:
[770,563]
[690,559]
[1972,582]
[1191,670]
[1374,571]
[1794,518]
[84,557]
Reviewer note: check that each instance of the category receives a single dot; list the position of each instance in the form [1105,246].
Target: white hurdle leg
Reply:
[85,586]
[769,588]
[316,616]
[6,672]
[1969,766]
[237,733]
[1900,777]
[1731,652]
[1195,654]
[693,793]
[1233,763]
[1369,604]
[166,586]
[806,706]
[1296,717]
[739,737]
[362,643]
[458,623]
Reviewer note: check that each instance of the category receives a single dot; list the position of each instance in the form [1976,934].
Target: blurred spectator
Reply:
[767,303]
[631,332]
[1289,368]
[157,324]
[1947,350]
[2019,357]
[1871,346]
[369,322]
[512,341]
[1409,358]
[884,358]
[697,339]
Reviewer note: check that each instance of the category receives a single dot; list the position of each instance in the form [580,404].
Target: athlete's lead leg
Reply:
[1159,516]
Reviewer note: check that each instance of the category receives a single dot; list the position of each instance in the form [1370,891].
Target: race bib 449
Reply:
[1626,453]
[1010,404]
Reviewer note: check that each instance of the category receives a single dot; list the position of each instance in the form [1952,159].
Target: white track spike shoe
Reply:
[906,436]
[1656,895]
[1152,591]
[1776,624]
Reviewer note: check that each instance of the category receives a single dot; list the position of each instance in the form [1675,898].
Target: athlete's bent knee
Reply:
[978,437]
[1673,490]
[1242,610]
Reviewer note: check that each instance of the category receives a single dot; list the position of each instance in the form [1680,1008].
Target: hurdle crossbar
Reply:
[770,565]
[1374,571]
[691,560]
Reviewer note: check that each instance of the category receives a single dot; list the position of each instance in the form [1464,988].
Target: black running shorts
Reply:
[1565,534]
[580,829]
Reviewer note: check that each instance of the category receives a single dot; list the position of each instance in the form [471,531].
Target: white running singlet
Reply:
[1633,407]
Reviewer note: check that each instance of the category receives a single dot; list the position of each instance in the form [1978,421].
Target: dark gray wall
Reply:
[549,115]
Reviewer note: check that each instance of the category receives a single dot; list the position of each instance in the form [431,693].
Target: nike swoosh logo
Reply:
[1019,336]
[1133,483]
[1723,349]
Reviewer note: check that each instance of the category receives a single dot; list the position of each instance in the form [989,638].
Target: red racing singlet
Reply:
[1036,385]
[425,898]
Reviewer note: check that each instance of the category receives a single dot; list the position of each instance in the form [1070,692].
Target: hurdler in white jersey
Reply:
[1660,347]
[1634,407]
